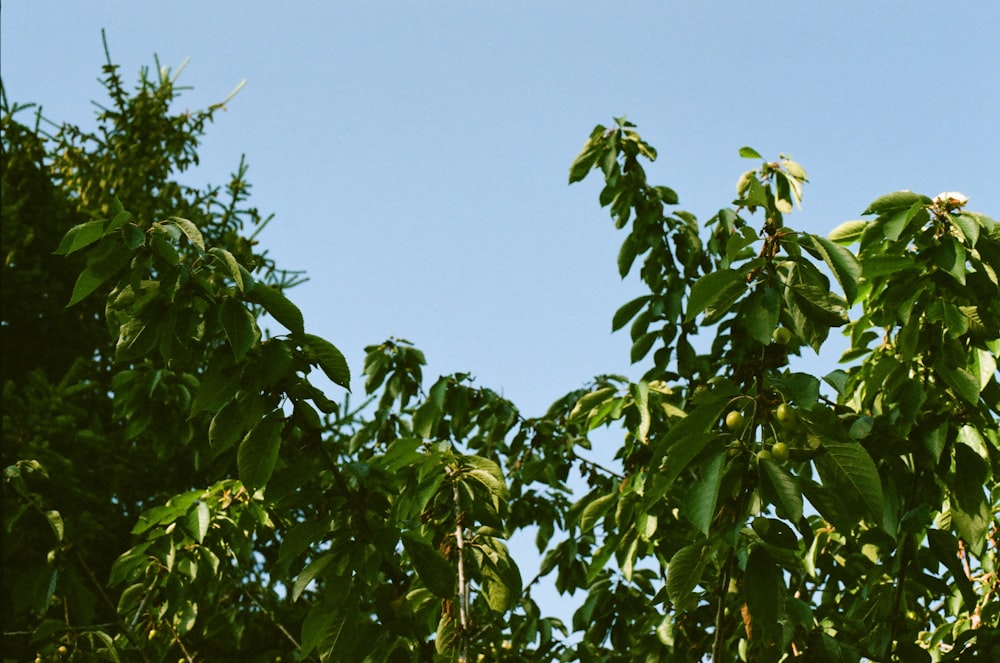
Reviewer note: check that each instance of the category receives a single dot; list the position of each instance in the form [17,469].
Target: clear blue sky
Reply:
[416,154]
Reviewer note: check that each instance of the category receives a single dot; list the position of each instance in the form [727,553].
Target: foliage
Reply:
[181,488]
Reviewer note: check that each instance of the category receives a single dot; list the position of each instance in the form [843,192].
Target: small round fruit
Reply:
[734,421]
[779,452]
[782,336]
[786,414]
[151,634]
[764,454]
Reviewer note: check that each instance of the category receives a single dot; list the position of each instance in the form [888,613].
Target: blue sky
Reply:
[416,154]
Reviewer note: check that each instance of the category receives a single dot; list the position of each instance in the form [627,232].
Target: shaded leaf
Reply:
[700,504]
[848,470]
[712,287]
[765,595]
[432,567]
[330,359]
[258,452]
[240,327]
[684,572]
[786,487]
[309,574]
[279,307]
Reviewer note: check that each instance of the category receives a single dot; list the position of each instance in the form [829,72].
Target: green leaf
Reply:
[841,262]
[756,195]
[80,236]
[700,503]
[969,225]
[428,415]
[198,520]
[684,572]
[190,231]
[218,385]
[686,439]
[56,523]
[848,232]
[640,398]
[316,625]
[944,547]
[712,287]
[240,327]
[961,381]
[829,504]
[627,312]
[643,345]
[848,470]
[596,510]
[501,578]
[895,201]
[819,305]
[764,306]
[432,567]
[765,596]
[228,260]
[279,307]
[970,510]
[786,487]
[330,359]
[104,261]
[895,223]
[627,254]
[487,473]
[584,161]
[880,265]
[258,453]
[801,389]
[309,574]
[750,153]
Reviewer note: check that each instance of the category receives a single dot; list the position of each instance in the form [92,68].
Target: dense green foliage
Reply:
[175,487]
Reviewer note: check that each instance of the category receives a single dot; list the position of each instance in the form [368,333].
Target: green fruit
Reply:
[779,452]
[734,421]
[782,336]
[786,414]
[764,454]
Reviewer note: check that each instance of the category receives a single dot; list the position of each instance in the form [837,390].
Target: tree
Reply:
[179,487]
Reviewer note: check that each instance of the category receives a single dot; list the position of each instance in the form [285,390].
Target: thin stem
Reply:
[463,585]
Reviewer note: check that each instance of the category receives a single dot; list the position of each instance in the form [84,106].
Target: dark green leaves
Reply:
[684,572]
[849,471]
[841,262]
[81,236]
[279,307]
[258,453]
[240,327]
[329,358]
[765,596]
[434,570]
[716,290]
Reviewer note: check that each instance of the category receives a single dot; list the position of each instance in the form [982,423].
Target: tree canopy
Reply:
[176,487]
